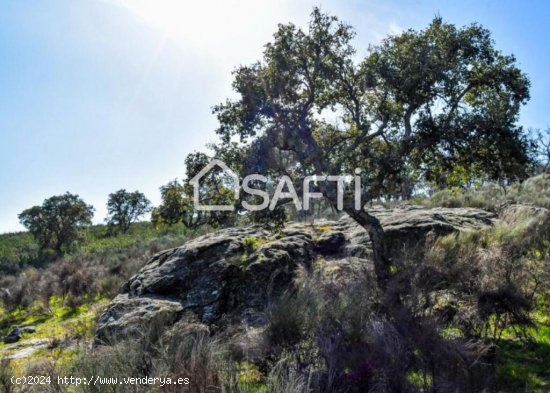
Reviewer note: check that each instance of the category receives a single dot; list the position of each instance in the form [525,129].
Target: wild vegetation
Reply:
[492,197]
[432,116]
[473,317]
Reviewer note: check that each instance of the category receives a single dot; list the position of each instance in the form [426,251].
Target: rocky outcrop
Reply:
[128,316]
[16,334]
[410,225]
[233,274]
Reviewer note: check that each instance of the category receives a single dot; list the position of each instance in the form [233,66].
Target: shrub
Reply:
[496,275]
[291,318]
[6,372]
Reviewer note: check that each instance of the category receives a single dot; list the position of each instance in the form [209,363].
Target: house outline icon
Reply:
[195,182]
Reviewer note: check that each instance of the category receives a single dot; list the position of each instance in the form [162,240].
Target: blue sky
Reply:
[98,95]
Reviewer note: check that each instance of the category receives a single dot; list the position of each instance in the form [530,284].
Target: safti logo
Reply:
[195,182]
[343,182]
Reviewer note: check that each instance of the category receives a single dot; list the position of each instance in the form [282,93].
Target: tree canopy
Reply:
[125,208]
[177,203]
[56,223]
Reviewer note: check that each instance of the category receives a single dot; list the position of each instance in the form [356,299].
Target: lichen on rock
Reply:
[222,277]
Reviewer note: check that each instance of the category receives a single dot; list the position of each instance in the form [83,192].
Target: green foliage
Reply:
[56,224]
[523,366]
[17,250]
[176,206]
[535,191]
[503,269]
[99,268]
[487,198]
[291,319]
[439,104]
[178,197]
[99,239]
[274,219]
[252,243]
[125,207]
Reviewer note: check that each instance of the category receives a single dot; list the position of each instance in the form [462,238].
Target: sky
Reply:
[99,95]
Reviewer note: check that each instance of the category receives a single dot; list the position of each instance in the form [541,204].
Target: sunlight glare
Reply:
[184,21]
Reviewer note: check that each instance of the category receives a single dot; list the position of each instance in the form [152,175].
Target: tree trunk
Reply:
[380,254]
[382,262]
[381,258]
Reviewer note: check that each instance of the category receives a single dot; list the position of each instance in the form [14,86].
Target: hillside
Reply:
[255,310]
[345,197]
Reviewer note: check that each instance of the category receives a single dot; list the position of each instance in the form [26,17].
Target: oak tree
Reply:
[421,102]
[56,224]
[125,208]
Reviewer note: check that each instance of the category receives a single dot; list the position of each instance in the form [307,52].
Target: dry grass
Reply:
[533,191]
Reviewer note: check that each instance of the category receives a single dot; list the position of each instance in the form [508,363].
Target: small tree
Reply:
[174,201]
[214,189]
[177,206]
[177,198]
[124,208]
[56,224]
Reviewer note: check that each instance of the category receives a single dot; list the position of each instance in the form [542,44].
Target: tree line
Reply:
[56,224]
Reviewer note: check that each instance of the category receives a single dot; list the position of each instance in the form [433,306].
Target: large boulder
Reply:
[233,274]
[13,336]
[17,334]
[408,226]
[133,316]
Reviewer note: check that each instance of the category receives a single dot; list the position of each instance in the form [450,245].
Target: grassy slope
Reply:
[18,250]
[521,366]
[58,320]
